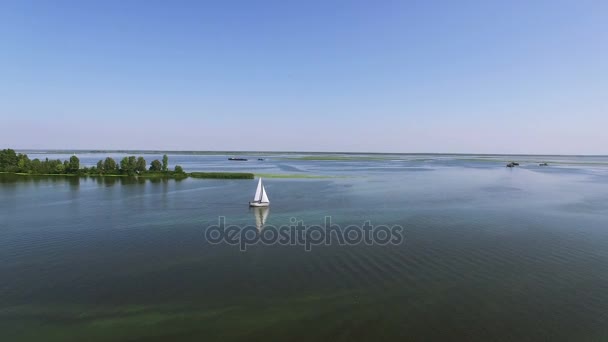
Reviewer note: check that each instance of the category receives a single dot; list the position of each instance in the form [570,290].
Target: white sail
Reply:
[258,192]
[264,196]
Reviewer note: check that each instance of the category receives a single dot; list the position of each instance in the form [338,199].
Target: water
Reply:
[490,253]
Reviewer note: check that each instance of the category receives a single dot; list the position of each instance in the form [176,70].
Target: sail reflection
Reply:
[261,214]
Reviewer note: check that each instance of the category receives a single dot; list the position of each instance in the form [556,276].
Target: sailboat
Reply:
[260,199]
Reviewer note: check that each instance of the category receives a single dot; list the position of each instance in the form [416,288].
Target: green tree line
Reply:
[13,162]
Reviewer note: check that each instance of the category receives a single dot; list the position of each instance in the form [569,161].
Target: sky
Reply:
[354,76]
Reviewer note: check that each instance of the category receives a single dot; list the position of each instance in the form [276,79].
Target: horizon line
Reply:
[150,151]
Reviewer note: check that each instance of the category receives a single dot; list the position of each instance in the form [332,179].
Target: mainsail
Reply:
[258,192]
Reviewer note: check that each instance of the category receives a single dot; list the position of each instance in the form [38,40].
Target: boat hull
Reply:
[259,204]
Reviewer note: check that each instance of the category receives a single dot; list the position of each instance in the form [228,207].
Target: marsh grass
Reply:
[337,158]
[294,176]
[222,175]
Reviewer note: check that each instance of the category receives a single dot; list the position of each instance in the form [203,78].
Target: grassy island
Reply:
[294,175]
[222,175]
[130,166]
[337,158]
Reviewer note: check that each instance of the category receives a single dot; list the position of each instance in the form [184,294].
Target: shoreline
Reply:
[194,175]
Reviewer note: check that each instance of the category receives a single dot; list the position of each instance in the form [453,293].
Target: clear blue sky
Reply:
[394,76]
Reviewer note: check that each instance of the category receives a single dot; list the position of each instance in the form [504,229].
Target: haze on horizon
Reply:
[368,76]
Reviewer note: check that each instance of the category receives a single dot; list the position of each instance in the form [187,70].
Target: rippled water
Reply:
[490,253]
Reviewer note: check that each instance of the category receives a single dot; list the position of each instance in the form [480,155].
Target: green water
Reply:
[490,253]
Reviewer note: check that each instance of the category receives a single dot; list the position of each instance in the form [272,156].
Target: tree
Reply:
[60,168]
[8,159]
[24,163]
[73,165]
[140,165]
[36,166]
[156,166]
[109,165]
[178,169]
[100,166]
[124,165]
[132,162]
[128,164]
[51,166]
[165,162]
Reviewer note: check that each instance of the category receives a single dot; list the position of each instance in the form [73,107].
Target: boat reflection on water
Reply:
[261,214]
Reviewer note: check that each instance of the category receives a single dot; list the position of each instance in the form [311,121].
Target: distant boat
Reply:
[260,199]
[238,159]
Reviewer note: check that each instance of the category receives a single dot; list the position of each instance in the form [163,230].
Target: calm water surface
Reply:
[490,253]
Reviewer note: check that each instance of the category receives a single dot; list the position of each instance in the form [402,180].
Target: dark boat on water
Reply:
[237,159]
